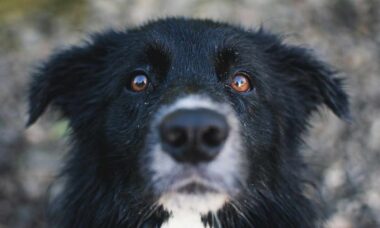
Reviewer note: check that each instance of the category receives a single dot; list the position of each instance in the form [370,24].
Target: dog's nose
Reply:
[193,136]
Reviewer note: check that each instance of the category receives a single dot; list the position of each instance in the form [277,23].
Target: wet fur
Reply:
[106,183]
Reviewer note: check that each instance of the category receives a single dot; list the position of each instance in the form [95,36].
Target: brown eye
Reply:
[240,83]
[139,83]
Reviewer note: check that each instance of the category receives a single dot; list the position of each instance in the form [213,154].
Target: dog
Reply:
[185,123]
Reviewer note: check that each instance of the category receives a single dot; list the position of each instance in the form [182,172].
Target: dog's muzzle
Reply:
[195,154]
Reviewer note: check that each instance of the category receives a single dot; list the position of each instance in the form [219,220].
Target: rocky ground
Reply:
[345,157]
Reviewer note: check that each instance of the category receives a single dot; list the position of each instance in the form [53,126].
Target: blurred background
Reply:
[345,158]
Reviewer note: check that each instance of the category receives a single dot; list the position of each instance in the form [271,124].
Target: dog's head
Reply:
[190,114]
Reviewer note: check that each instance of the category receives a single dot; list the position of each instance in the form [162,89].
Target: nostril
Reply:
[214,136]
[176,137]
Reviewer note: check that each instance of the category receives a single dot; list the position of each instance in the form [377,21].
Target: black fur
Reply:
[105,178]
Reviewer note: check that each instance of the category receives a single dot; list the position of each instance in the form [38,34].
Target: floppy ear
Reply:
[316,81]
[68,80]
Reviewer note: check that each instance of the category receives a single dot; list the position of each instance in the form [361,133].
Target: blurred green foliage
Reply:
[42,14]
[59,129]
[14,10]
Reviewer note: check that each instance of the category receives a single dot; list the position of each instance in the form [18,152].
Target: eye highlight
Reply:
[241,83]
[139,83]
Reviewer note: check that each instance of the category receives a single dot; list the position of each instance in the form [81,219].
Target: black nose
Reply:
[195,135]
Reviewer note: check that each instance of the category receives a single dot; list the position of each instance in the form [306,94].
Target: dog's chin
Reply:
[193,197]
[195,194]
[196,202]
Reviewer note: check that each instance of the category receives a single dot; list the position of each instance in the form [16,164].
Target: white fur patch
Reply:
[185,208]
[193,203]
[184,219]
[196,102]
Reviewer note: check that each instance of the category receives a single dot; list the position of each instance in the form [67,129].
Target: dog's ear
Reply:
[315,80]
[65,80]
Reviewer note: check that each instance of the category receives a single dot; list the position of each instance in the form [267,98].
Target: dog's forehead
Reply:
[191,38]
[179,31]
[192,47]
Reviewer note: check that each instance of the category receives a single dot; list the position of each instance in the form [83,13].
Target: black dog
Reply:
[185,123]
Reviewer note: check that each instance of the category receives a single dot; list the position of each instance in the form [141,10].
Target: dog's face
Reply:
[187,114]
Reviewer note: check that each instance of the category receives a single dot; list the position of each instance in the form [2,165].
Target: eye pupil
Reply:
[240,83]
[139,83]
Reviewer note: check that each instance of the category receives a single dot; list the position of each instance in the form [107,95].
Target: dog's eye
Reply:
[240,83]
[139,82]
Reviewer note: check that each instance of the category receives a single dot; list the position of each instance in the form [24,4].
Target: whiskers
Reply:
[216,221]
[240,206]
[146,213]
[240,211]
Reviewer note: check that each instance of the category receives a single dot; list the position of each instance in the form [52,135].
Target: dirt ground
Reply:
[344,157]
